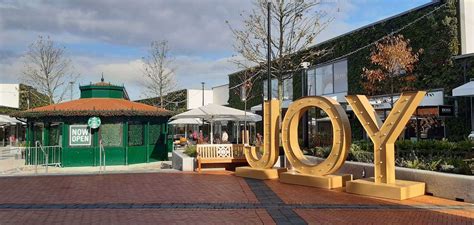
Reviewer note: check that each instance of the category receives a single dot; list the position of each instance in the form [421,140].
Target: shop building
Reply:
[128,132]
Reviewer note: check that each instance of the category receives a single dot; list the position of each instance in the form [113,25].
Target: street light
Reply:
[72,83]
[304,92]
[202,83]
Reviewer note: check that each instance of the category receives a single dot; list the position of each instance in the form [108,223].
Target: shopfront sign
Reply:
[446,110]
[94,122]
[80,135]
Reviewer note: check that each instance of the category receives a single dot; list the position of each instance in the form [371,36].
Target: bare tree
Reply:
[159,70]
[295,26]
[247,80]
[48,69]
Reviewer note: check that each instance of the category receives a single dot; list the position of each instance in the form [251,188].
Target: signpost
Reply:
[79,135]
[94,122]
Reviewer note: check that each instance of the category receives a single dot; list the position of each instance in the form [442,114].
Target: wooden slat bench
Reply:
[219,153]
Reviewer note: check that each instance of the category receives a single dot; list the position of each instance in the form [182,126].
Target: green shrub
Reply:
[433,155]
[190,150]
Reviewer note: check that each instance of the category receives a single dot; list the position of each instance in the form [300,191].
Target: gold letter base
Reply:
[401,190]
[260,174]
[328,181]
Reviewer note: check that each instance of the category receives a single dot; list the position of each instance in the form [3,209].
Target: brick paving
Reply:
[208,198]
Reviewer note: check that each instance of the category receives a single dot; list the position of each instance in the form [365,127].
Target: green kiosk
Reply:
[103,118]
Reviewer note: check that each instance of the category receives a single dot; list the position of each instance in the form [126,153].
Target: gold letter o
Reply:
[341,135]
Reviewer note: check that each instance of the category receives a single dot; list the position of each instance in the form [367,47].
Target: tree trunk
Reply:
[245,122]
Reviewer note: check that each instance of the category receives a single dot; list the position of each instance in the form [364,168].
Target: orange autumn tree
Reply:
[394,61]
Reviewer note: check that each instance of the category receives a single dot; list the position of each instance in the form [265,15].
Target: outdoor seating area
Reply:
[220,154]
[216,134]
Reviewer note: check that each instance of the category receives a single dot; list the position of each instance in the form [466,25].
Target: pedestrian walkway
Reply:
[208,198]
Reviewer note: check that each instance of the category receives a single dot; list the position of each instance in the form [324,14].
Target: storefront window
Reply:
[135,134]
[111,134]
[324,80]
[287,89]
[274,89]
[328,79]
[155,133]
[55,134]
[311,82]
[38,133]
[340,76]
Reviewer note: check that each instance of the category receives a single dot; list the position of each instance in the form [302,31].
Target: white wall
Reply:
[221,95]
[466,9]
[10,95]
[195,98]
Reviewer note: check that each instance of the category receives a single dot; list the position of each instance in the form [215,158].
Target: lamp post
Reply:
[202,83]
[72,83]
[269,60]
[304,92]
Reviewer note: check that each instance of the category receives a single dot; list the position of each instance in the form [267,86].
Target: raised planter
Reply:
[445,185]
[183,162]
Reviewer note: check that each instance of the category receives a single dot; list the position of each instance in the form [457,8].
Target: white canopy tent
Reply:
[467,90]
[213,113]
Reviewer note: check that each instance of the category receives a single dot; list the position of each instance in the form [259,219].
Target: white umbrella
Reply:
[186,121]
[8,120]
[213,112]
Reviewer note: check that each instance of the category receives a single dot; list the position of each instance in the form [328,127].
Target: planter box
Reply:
[183,162]
[444,185]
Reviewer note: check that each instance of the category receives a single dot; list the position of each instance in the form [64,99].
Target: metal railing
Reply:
[102,166]
[45,156]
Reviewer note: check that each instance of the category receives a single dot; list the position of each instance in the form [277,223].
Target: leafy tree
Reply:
[394,61]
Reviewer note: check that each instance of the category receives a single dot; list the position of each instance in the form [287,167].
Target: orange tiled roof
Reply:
[97,106]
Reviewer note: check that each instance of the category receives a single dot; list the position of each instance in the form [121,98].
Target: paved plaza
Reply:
[207,198]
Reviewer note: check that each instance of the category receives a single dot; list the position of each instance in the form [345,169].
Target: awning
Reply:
[466,89]
[7,120]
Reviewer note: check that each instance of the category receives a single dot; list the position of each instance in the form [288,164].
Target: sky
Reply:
[112,36]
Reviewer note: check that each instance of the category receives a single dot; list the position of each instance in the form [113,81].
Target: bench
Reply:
[219,154]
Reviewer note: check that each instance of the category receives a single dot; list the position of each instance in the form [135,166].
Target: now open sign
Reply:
[79,135]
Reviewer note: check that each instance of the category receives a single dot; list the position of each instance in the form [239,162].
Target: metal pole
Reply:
[36,157]
[47,159]
[202,83]
[304,92]
[269,74]
[71,83]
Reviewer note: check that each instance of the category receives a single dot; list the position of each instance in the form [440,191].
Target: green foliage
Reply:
[156,134]
[360,153]
[135,134]
[35,98]
[433,155]
[54,134]
[190,150]
[322,152]
[111,134]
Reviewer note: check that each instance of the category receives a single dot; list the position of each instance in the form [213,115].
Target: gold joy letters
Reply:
[304,172]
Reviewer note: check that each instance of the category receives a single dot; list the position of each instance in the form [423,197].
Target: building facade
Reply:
[434,27]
